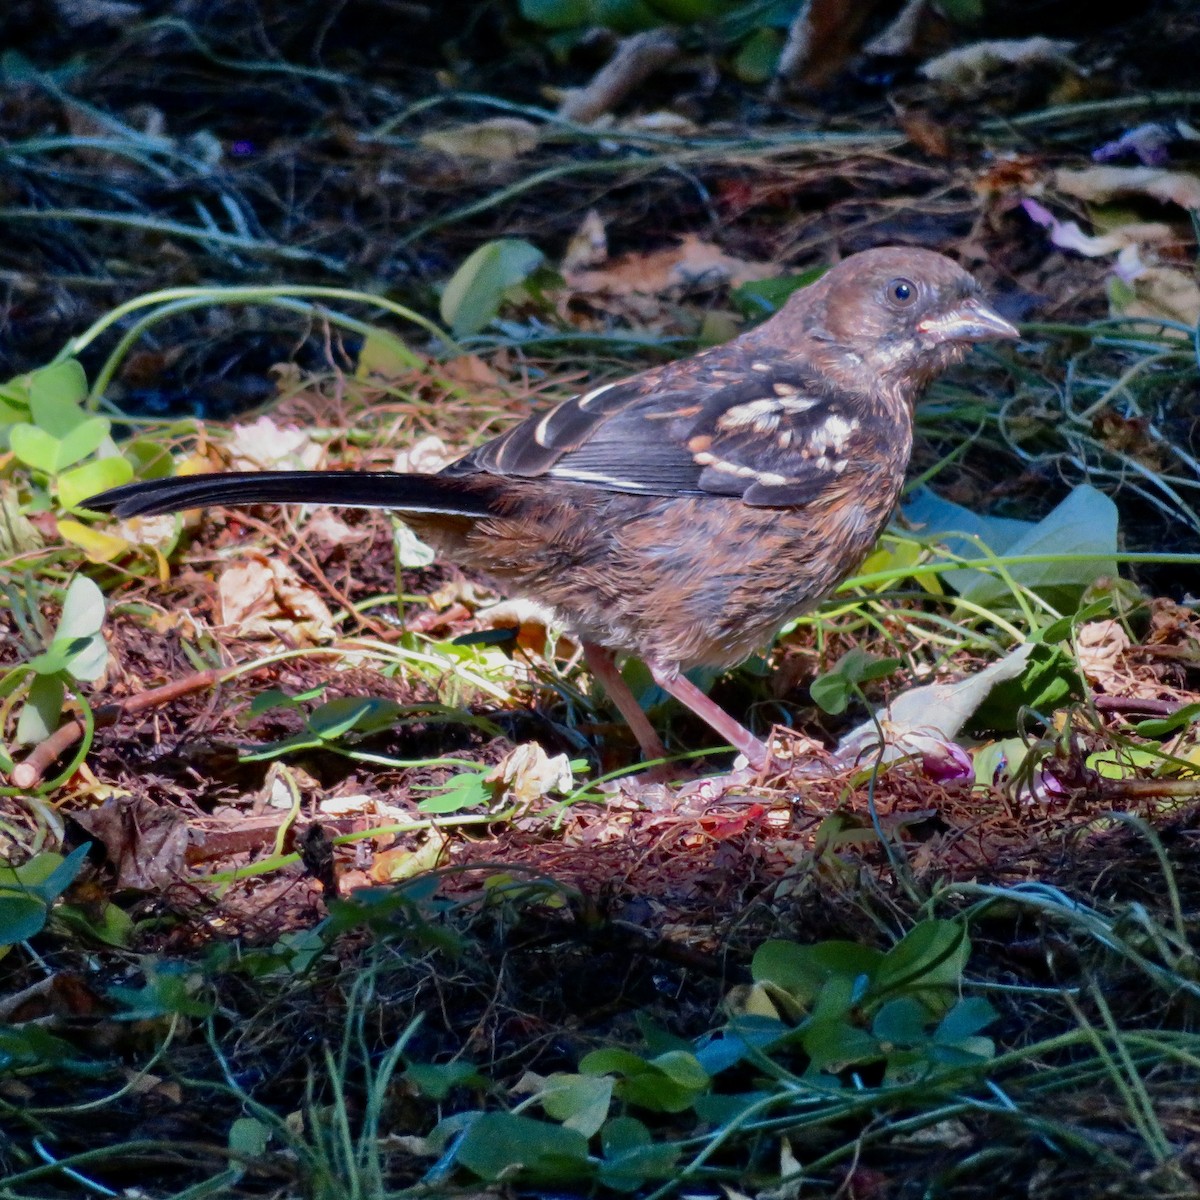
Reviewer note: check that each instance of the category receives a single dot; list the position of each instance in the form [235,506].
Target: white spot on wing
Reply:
[599,477]
[585,401]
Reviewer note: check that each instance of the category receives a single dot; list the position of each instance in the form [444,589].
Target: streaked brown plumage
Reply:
[686,513]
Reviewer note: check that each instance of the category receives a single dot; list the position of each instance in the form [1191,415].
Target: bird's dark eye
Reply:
[901,292]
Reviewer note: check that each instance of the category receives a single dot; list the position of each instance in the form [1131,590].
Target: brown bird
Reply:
[686,513]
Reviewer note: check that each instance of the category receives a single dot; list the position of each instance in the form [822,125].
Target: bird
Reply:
[686,513]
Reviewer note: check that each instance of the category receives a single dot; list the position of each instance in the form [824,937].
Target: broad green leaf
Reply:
[832,691]
[83,482]
[249,1137]
[59,877]
[499,1144]
[612,1061]
[683,1067]
[468,790]
[58,655]
[55,395]
[438,1080]
[362,714]
[557,14]
[631,1157]
[76,444]
[21,916]
[1085,523]
[1159,727]
[758,57]
[384,356]
[578,1101]
[112,925]
[929,958]
[475,291]
[35,447]
[762,297]
[966,1019]
[833,1045]
[624,16]
[1047,680]
[803,971]
[903,1022]
[42,710]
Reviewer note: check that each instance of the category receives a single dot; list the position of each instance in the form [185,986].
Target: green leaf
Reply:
[150,459]
[475,291]
[931,956]
[624,16]
[1085,523]
[467,790]
[834,1045]
[249,1137]
[51,884]
[42,710]
[802,971]
[438,1080]
[1159,727]
[966,1019]
[76,444]
[612,1061]
[112,925]
[362,714]
[498,1145]
[556,14]
[275,698]
[578,1101]
[82,610]
[762,297]
[21,917]
[35,447]
[668,1083]
[757,58]
[82,483]
[1048,681]
[631,1157]
[55,395]
[832,691]
[903,1022]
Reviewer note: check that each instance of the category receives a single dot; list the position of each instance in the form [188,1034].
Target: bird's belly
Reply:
[703,580]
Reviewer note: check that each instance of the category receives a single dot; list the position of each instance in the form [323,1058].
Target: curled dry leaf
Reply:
[1068,235]
[692,266]
[1159,293]
[588,246]
[527,774]
[263,445]
[1099,648]
[970,66]
[1099,184]
[263,597]
[498,139]
[326,526]
[144,842]
[426,456]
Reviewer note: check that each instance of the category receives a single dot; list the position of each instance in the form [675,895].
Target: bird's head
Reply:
[897,315]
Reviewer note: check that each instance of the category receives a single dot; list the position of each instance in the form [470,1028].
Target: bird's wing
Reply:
[768,432]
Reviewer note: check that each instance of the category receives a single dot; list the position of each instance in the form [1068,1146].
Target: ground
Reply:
[328,901]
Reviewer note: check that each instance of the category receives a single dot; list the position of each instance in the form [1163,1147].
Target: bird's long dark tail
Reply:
[454,496]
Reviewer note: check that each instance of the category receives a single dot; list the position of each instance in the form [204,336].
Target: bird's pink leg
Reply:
[603,666]
[713,715]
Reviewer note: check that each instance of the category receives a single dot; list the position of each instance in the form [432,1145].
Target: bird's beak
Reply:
[971,321]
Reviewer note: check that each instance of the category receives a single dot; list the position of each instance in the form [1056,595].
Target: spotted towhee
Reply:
[685,513]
